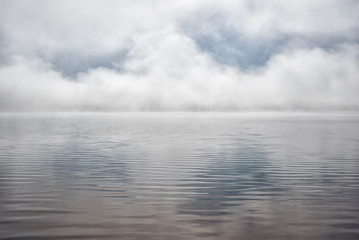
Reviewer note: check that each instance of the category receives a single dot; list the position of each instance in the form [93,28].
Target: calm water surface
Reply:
[179,176]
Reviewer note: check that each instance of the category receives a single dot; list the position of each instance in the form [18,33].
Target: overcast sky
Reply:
[195,55]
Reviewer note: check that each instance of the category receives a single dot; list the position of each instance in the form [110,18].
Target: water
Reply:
[179,176]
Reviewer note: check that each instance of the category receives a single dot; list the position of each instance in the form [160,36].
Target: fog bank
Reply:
[179,55]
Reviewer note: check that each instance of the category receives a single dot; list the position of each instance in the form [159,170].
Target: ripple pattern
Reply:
[179,176]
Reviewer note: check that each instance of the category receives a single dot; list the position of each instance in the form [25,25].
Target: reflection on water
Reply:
[179,176]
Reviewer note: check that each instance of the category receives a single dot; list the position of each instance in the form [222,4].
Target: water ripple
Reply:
[179,176]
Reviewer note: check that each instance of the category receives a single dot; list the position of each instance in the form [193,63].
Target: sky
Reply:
[179,55]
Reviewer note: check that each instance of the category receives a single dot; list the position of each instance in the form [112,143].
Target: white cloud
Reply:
[142,55]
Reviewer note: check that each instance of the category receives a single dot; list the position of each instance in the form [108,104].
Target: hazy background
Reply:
[179,55]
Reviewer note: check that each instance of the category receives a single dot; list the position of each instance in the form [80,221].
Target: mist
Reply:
[179,55]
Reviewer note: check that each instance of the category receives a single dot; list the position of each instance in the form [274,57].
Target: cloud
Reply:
[178,55]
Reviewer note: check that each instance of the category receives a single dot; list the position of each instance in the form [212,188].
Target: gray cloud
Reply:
[179,55]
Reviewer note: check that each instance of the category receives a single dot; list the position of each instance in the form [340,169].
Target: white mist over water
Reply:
[179,56]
